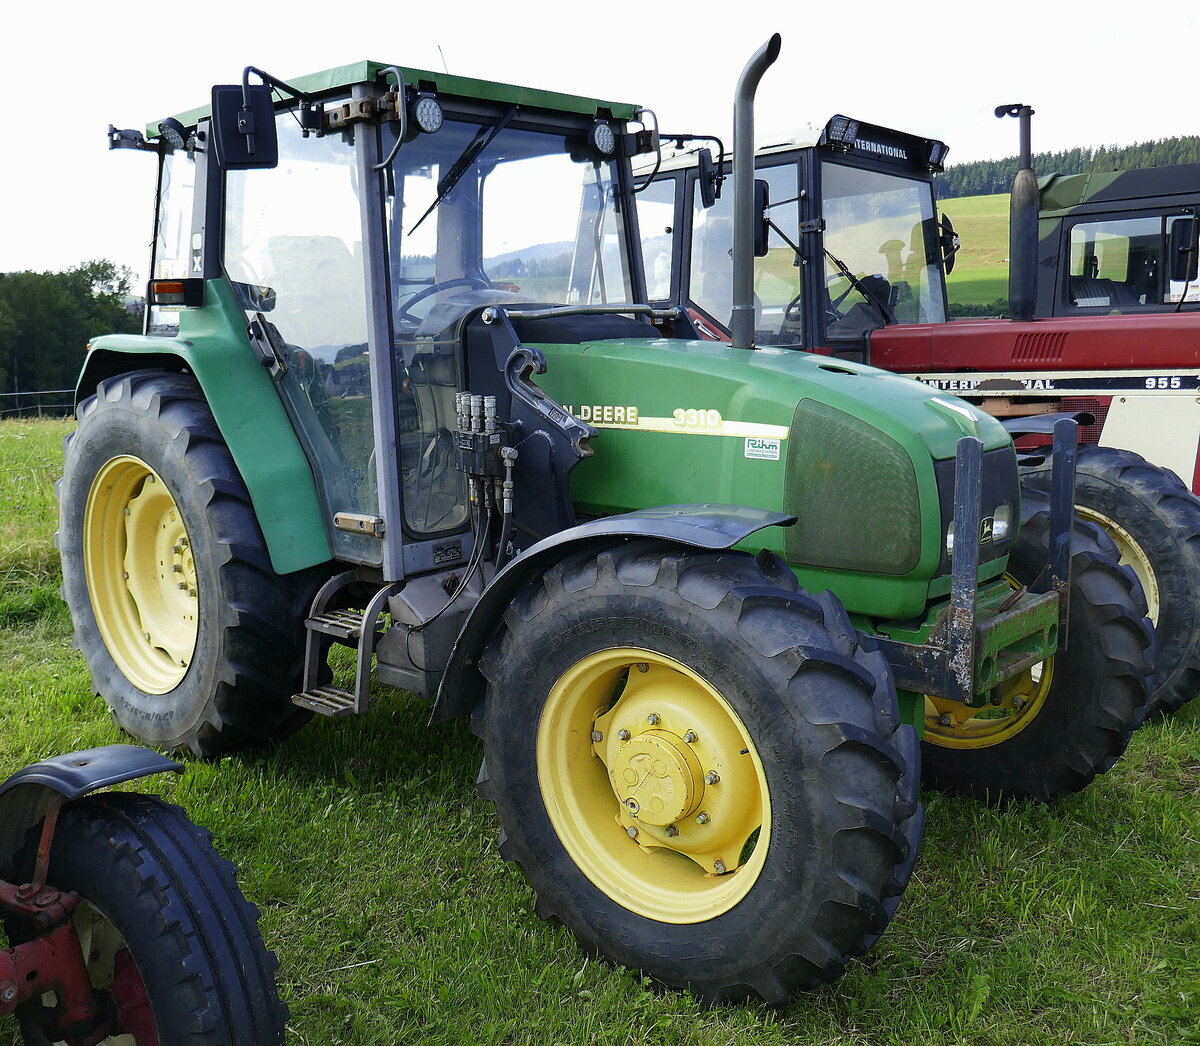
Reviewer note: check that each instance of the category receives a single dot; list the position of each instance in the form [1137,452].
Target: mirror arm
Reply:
[312,113]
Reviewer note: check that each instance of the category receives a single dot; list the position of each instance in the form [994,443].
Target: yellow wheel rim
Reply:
[1013,706]
[140,574]
[1132,555]
[653,785]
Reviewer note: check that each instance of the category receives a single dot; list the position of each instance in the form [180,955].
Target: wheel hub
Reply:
[653,784]
[657,777]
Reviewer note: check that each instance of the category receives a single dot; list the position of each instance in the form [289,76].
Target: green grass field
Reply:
[980,271]
[374,864]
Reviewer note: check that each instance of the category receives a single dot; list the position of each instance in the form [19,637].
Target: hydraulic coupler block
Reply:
[479,437]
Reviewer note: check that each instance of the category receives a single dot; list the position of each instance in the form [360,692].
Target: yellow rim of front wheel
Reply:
[140,574]
[1132,555]
[1011,707]
[653,785]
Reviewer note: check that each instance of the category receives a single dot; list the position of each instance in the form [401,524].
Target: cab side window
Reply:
[1116,264]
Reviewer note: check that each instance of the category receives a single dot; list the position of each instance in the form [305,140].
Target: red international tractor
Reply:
[124,926]
[851,263]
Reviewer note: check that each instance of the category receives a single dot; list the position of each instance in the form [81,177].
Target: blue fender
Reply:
[712,527]
[27,795]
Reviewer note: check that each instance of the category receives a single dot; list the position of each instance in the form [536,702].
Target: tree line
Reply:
[984,177]
[47,318]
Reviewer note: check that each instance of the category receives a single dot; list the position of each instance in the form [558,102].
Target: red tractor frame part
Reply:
[52,961]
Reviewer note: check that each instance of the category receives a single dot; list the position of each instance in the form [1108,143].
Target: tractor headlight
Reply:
[1002,525]
[602,138]
[173,132]
[428,113]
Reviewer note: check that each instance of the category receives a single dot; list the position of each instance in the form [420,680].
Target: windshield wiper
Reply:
[460,166]
[884,312]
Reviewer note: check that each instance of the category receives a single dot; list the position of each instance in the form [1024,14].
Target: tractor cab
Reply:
[356,241]
[851,240]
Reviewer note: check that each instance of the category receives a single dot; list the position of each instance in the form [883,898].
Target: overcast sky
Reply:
[1094,74]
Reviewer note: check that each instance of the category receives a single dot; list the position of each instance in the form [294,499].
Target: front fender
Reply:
[28,794]
[714,527]
[213,345]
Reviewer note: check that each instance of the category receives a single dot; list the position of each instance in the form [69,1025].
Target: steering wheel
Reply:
[832,313]
[404,312]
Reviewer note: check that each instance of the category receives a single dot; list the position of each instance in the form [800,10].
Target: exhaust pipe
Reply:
[1022,222]
[741,324]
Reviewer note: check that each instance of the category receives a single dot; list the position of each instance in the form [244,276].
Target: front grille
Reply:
[853,490]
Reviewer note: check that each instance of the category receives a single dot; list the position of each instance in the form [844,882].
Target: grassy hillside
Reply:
[981,271]
[374,863]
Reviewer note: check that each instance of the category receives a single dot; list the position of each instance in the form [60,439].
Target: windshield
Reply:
[484,214]
[778,310]
[481,217]
[882,230]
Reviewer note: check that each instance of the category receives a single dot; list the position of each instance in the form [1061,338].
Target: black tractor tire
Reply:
[1076,723]
[150,435]
[1155,521]
[823,760]
[160,908]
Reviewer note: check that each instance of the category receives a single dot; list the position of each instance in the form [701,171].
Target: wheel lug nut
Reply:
[643,667]
[654,719]
[690,737]
[1018,703]
[945,719]
[182,585]
[719,866]
[624,735]
[597,736]
[632,831]
[702,817]
[672,831]
[712,777]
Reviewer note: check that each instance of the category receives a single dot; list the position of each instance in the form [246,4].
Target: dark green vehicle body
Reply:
[1108,241]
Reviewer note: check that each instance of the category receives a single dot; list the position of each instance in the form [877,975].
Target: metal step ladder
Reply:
[359,630]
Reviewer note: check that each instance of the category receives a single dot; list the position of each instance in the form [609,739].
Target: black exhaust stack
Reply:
[741,324]
[1022,222]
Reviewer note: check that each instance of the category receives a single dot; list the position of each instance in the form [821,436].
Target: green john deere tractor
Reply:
[399,391]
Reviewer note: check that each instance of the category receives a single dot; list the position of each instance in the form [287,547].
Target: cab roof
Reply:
[343,76]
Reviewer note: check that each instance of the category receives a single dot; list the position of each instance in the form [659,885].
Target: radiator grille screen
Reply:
[854,491]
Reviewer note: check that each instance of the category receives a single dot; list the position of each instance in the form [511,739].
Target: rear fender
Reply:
[214,346]
[29,793]
[712,527]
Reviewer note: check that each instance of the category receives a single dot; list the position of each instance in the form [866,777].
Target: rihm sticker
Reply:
[758,447]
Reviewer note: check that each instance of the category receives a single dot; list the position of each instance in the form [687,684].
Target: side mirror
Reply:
[706,178]
[1184,255]
[245,135]
[762,226]
[950,244]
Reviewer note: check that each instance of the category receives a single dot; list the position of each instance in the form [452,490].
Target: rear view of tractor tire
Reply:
[1155,522]
[701,774]
[191,638]
[167,936]
[1051,730]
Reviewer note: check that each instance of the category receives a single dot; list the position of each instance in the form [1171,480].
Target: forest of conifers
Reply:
[984,177]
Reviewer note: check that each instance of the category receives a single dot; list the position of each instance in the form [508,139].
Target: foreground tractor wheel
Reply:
[701,774]
[1155,522]
[166,933]
[1049,732]
[190,636]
